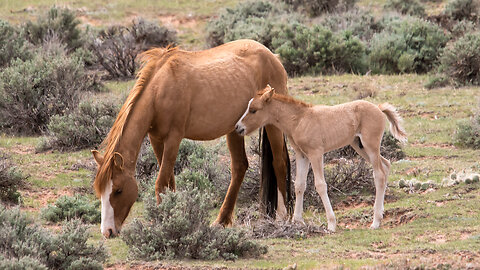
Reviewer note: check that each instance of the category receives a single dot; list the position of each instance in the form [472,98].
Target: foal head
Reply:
[257,114]
[117,189]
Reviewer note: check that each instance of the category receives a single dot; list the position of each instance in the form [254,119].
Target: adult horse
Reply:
[194,95]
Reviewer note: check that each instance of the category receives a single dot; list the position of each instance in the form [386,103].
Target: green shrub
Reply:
[257,20]
[32,91]
[86,126]
[461,28]
[317,50]
[406,7]
[317,7]
[179,228]
[75,207]
[10,179]
[462,10]
[23,244]
[57,23]
[20,264]
[406,45]
[468,132]
[117,47]
[359,22]
[12,44]
[460,60]
[436,81]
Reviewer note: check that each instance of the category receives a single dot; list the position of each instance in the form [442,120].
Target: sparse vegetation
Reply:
[462,10]
[317,7]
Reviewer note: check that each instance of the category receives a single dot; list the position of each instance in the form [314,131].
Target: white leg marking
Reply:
[302,164]
[281,209]
[107,211]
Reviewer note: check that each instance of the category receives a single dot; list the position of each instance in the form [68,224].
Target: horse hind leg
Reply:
[239,165]
[280,161]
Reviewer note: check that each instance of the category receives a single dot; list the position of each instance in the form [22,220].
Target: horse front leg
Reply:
[157,146]
[280,157]
[165,176]
[239,165]
[321,187]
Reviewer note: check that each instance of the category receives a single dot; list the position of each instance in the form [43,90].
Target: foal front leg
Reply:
[321,187]
[302,165]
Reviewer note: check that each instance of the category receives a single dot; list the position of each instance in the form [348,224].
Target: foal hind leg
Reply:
[239,166]
[321,187]
[380,177]
[276,139]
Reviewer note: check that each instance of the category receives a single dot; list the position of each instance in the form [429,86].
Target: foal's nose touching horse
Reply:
[315,130]
[181,94]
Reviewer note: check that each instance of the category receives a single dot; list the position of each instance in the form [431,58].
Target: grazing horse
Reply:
[195,95]
[315,130]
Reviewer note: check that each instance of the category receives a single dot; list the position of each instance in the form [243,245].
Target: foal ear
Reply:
[98,157]
[118,160]
[267,96]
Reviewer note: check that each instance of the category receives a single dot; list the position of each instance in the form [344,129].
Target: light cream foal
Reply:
[315,130]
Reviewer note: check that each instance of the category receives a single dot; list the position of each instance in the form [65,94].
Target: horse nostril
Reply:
[236,126]
[110,233]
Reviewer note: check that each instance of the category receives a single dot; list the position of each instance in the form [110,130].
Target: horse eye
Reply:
[118,191]
[253,111]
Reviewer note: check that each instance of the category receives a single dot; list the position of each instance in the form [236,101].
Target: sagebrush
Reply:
[10,180]
[32,91]
[12,44]
[468,132]
[84,127]
[24,244]
[179,227]
[73,207]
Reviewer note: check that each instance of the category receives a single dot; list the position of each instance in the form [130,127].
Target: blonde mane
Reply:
[289,99]
[150,60]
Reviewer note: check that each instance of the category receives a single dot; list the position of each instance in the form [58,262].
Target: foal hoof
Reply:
[332,227]
[298,221]
[374,226]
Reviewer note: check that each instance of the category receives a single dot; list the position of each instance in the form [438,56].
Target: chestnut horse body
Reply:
[194,95]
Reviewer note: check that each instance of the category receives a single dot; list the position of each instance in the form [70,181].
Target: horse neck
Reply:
[286,115]
[135,129]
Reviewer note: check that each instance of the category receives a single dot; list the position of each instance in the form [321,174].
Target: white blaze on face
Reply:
[239,124]
[107,210]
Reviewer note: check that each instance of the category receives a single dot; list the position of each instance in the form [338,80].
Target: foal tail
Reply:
[395,122]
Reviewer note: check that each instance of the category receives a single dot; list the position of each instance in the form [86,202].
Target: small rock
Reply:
[291,267]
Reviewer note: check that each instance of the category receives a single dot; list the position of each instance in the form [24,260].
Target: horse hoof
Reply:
[332,228]
[298,221]
[374,226]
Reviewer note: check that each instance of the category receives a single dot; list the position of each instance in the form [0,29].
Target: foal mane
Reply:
[286,98]
[150,60]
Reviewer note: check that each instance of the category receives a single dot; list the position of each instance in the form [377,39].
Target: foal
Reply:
[315,130]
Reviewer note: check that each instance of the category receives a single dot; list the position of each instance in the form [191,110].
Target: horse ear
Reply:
[118,160]
[98,157]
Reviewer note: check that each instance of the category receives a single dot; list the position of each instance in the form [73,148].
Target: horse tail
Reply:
[268,182]
[395,122]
